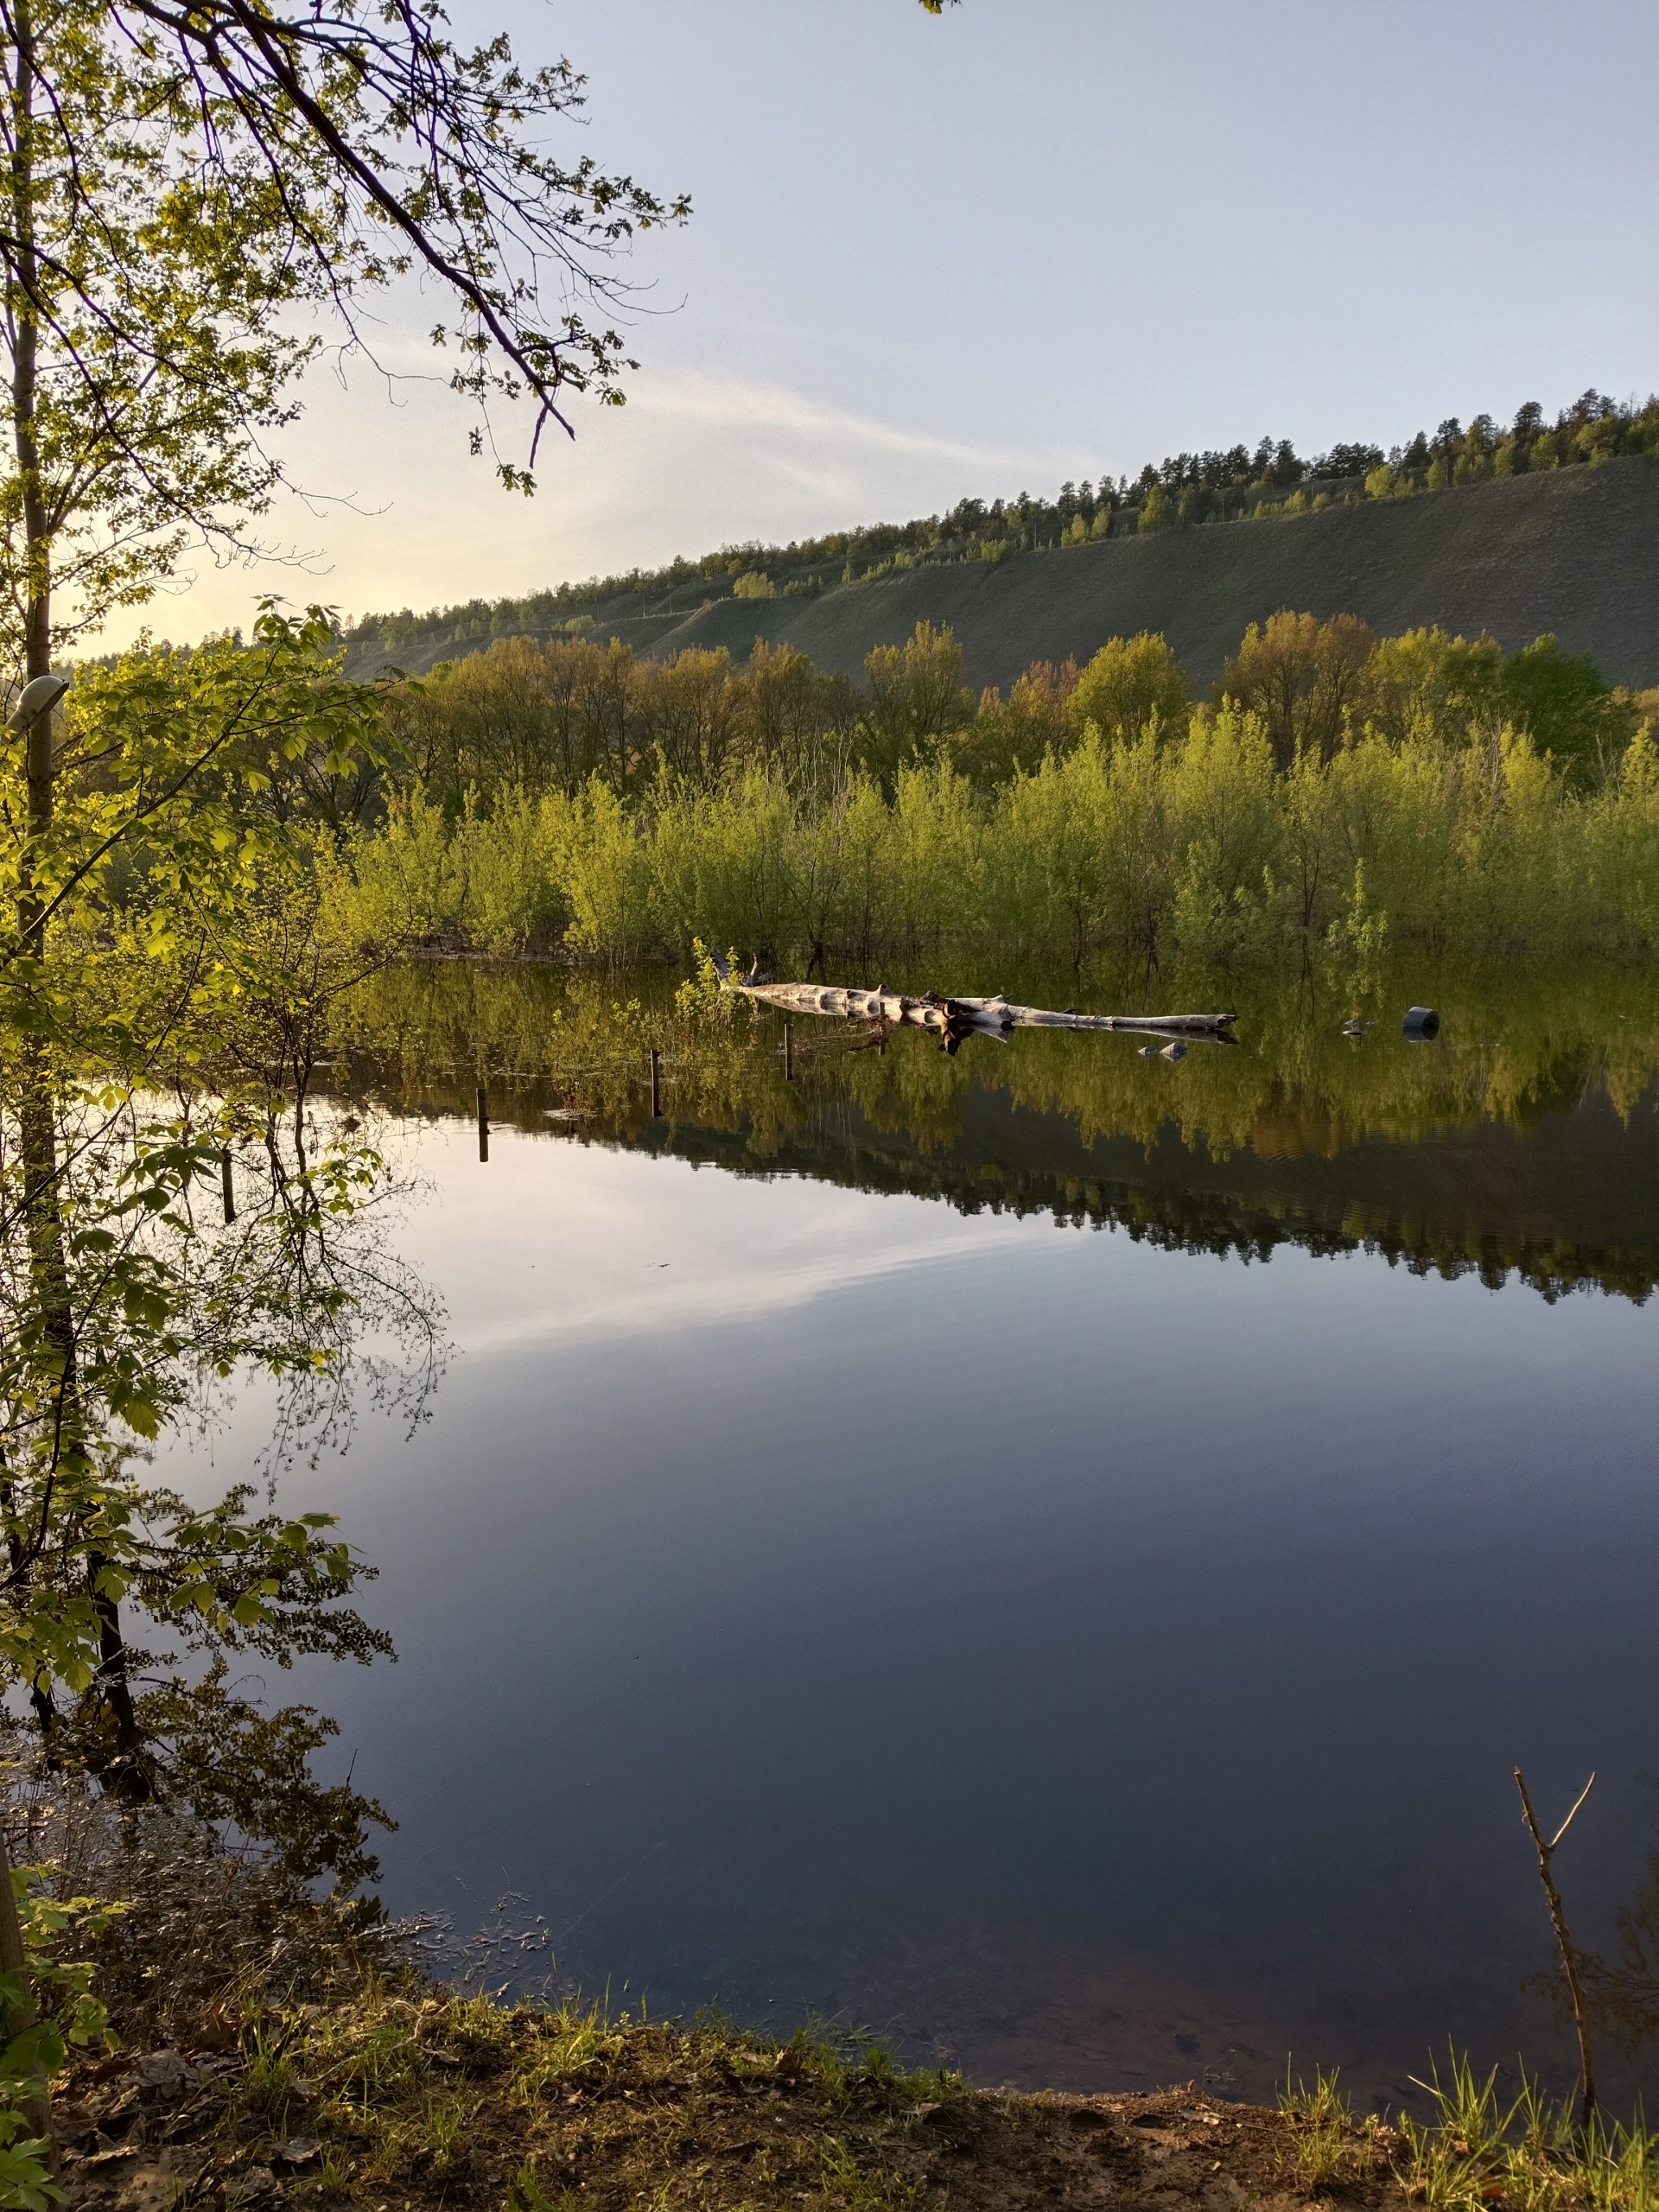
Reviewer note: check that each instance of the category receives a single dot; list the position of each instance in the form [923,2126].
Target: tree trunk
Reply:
[37,2097]
[37,1122]
[23,288]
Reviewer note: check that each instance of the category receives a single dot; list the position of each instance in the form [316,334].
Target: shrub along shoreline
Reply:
[1340,789]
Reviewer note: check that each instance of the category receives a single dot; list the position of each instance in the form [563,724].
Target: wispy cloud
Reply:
[692,395]
[659,1248]
[405,517]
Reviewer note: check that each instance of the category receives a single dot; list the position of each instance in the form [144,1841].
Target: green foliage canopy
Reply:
[1411,789]
[181,180]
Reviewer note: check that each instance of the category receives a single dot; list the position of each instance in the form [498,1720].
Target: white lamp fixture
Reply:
[36,699]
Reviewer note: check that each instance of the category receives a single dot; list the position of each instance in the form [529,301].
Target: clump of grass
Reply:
[1325,2134]
[440,2135]
[851,2062]
[1529,2155]
[850,2188]
[526,2194]
[270,2086]
[418,2097]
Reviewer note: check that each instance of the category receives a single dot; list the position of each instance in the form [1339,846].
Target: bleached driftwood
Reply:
[994,1016]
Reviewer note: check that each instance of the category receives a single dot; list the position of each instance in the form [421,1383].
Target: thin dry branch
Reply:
[1563,1938]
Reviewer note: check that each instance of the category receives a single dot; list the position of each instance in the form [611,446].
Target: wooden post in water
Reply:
[483,1123]
[789,1053]
[654,1059]
[227,1189]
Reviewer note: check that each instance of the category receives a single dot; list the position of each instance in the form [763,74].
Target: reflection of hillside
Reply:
[1553,1209]
[1524,1143]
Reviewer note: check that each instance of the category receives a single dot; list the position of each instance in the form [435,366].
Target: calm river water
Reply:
[1052,1555]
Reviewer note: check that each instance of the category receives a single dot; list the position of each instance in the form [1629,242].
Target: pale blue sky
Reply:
[1021,243]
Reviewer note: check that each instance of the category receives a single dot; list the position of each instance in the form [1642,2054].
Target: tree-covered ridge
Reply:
[1239,484]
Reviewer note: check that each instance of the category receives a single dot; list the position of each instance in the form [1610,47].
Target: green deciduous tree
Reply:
[1303,676]
[1562,702]
[916,696]
[1006,735]
[1130,684]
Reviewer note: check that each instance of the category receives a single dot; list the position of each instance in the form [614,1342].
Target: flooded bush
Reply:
[1183,838]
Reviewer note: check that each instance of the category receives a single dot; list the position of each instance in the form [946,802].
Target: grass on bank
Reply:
[1476,2152]
[404,2098]
[272,2048]
[418,2097]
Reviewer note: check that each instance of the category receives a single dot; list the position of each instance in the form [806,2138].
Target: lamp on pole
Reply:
[33,715]
[36,698]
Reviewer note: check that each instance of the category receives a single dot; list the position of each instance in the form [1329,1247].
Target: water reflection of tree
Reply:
[1516,1043]
[169,1229]
[1624,1992]
[167,1308]
[1621,1992]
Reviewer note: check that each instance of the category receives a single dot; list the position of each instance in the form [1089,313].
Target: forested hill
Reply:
[1572,550]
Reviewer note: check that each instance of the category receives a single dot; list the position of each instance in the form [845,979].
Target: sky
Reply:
[984,252]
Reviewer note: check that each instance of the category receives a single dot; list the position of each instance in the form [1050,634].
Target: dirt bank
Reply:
[396,2104]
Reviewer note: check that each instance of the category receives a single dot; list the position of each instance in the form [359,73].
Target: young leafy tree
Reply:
[1566,707]
[916,697]
[1007,736]
[1303,676]
[1130,683]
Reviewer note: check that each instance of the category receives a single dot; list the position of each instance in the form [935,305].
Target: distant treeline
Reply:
[1337,788]
[541,717]
[1241,483]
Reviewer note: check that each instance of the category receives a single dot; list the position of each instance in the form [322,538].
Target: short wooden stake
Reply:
[655,1060]
[226,1187]
[789,1053]
[483,1123]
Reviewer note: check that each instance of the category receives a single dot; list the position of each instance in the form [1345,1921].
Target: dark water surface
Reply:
[1053,1555]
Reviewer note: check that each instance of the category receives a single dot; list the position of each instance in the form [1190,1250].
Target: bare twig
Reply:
[1558,1917]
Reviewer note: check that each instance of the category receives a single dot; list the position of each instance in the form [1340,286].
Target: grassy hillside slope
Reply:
[1575,551]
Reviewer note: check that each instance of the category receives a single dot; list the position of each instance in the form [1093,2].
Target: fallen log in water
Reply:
[957,1016]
